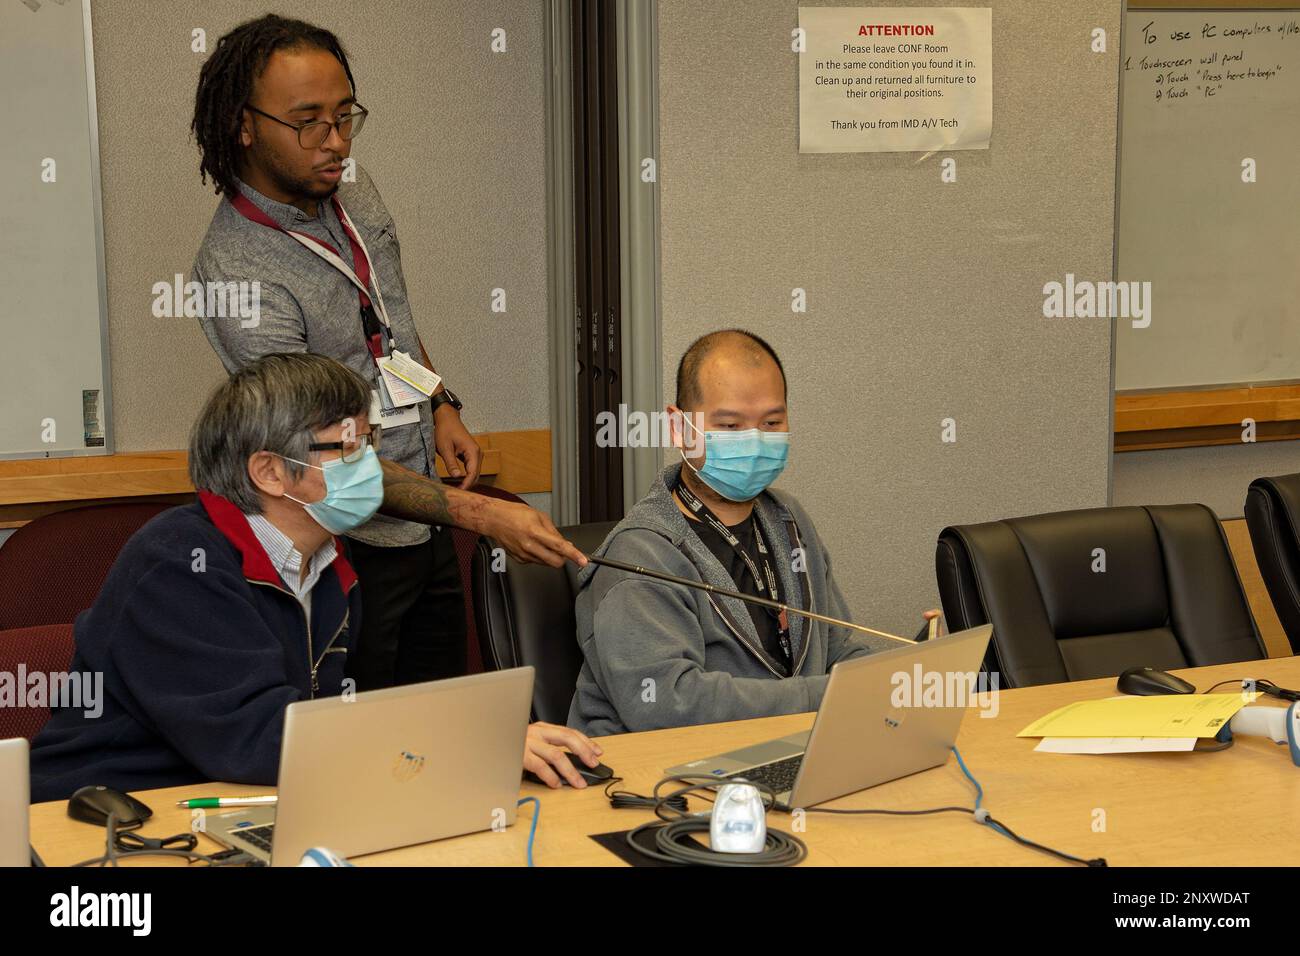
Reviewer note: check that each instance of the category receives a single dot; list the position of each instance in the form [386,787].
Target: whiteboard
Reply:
[1202,91]
[53,362]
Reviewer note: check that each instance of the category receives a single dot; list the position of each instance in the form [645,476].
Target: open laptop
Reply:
[860,739]
[391,768]
[15,800]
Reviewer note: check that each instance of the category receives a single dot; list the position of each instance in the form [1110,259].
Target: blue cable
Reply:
[532,830]
[979,791]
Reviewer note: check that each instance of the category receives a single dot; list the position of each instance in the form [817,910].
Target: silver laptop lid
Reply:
[15,800]
[405,765]
[890,714]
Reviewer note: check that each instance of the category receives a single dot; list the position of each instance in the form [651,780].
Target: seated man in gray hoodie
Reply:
[659,654]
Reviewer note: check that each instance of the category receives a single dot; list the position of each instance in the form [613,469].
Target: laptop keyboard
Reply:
[779,775]
[259,837]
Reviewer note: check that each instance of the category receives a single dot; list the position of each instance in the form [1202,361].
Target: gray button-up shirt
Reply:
[307,305]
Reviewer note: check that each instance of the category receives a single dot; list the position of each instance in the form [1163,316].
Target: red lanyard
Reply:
[359,275]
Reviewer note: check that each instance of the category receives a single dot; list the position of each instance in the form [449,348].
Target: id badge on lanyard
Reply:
[393,403]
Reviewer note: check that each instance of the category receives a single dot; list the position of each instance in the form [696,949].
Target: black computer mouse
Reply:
[598,774]
[1147,682]
[93,804]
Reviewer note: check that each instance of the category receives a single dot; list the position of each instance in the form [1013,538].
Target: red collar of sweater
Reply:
[233,523]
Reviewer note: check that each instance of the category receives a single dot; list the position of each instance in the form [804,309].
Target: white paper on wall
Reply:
[895,79]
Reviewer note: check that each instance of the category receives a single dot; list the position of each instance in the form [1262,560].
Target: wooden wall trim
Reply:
[1180,419]
[516,461]
[520,461]
[1214,4]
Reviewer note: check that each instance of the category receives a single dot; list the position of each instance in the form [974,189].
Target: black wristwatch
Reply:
[445,397]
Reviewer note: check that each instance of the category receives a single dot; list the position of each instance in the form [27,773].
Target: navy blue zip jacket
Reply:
[201,651]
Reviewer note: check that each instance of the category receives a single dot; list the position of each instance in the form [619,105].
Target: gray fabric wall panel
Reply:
[1216,475]
[455,143]
[924,299]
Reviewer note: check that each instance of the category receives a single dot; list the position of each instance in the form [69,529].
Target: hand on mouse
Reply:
[544,754]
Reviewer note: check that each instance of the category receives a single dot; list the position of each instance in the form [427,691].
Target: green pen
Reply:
[212,803]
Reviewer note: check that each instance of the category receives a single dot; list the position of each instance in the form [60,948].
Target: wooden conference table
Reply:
[1174,809]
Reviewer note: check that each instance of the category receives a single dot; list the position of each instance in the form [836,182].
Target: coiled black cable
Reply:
[673,836]
[627,800]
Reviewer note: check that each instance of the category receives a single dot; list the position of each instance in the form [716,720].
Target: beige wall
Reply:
[455,143]
[925,300]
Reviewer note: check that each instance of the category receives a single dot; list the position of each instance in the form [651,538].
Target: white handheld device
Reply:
[1279,724]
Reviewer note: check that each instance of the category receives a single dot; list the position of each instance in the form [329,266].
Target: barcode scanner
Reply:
[1279,724]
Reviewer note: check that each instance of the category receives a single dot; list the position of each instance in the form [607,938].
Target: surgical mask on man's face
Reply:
[353,492]
[739,465]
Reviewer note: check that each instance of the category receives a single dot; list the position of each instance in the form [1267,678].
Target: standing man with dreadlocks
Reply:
[274,117]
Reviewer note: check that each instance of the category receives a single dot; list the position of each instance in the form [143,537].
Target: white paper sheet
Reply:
[1114,745]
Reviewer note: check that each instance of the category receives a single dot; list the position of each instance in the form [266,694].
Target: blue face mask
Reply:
[353,492]
[740,465]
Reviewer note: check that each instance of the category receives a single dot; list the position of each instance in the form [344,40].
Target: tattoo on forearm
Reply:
[413,497]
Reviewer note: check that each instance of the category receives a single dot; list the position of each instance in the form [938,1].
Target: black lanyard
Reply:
[698,507]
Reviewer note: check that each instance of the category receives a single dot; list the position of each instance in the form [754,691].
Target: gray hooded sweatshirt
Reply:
[664,655]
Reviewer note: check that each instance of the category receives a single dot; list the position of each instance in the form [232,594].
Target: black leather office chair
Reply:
[525,617]
[1273,517]
[1169,596]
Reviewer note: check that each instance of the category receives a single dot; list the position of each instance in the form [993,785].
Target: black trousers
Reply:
[412,613]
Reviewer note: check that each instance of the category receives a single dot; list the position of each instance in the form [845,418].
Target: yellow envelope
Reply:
[1166,715]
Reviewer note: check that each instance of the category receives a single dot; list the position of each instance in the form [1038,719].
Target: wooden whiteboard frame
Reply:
[1147,419]
[1214,5]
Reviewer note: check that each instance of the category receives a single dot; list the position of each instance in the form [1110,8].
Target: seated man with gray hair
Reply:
[219,614]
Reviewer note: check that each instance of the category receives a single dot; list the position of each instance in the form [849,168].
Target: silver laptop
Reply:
[15,800]
[860,737]
[391,768]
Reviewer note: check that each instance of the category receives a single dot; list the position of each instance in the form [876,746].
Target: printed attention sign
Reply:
[895,79]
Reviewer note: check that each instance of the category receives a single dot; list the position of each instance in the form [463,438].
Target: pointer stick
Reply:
[750,598]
